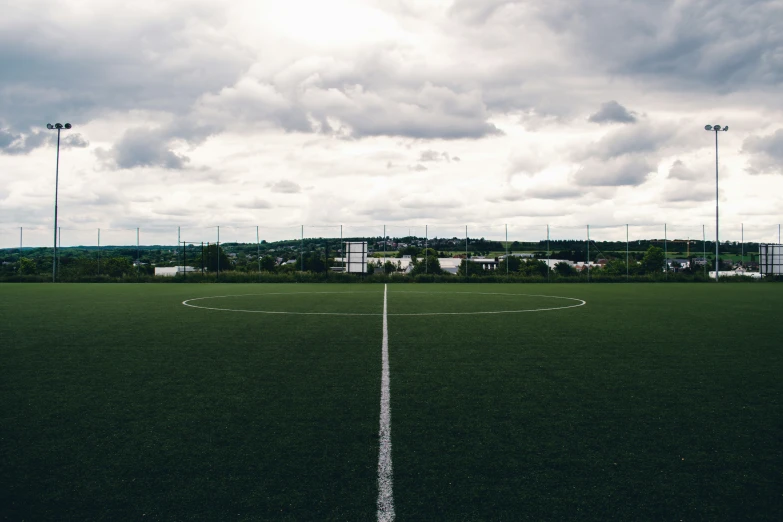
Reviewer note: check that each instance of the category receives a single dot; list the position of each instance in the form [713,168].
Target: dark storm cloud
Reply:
[152,147]
[622,171]
[765,153]
[612,112]
[721,45]
[13,143]
[82,70]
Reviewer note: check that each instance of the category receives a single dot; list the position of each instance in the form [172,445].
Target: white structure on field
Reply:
[171,271]
[771,259]
[356,257]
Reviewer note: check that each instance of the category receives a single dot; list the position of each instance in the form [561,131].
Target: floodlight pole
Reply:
[217,253]
[384,253]
[548,254]
[59,127]
[742,245]
[665,253]
[588,253]
[716,129]
[466,251]
[507,249]
[426,255]
[626,252]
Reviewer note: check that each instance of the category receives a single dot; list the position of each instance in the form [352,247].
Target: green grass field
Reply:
[650,402]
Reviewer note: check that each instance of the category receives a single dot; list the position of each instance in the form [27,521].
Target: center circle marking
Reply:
[579,302]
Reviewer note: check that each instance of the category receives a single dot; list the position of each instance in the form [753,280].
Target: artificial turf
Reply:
[651,402]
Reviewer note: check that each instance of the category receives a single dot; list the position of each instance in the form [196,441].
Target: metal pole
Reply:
[138,261]
[742,246]
[507,249]
[99,251]
[184,259]
[178,238]
[548,254]
[341,247]
[56,187]
[717,240]
[301,249]
[626,252]
[384,252]
[466,251]
[258,249]
[202,258]
[588,253]
[217,252]
[426,255]
[59,246]
[665,253]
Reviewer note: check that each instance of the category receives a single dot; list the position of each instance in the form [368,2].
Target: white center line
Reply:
[385,496]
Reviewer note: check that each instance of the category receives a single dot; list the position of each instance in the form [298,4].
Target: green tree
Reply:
[653,260]
[268,264]
[615,267]
[564,269]
[212,254]
[429,265]
[27,266]
[117,267]
[513,263]
[534,267]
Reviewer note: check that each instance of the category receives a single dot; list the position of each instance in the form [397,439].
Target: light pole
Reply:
[716,129]
[59,127]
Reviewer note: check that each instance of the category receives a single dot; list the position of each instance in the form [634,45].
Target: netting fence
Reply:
[308,247]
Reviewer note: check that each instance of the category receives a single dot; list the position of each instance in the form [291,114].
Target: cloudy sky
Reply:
[405,113]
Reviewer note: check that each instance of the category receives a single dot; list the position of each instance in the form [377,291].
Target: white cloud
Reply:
[202,113]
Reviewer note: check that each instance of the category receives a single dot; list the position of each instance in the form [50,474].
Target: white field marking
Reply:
[385,497]
[187,303]
[580,302]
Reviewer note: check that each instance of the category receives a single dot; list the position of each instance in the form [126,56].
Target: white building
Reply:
[171,271]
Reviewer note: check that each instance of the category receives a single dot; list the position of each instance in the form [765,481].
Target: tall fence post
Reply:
[548,254]
[587,261]
[506,249]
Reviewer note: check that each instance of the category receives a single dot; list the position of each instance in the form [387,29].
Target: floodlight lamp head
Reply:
[49,126]
[716,127]
[726,128]
[58,125]
[708,127]
[67,125]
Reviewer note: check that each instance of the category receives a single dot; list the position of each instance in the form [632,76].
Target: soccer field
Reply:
[508,401]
